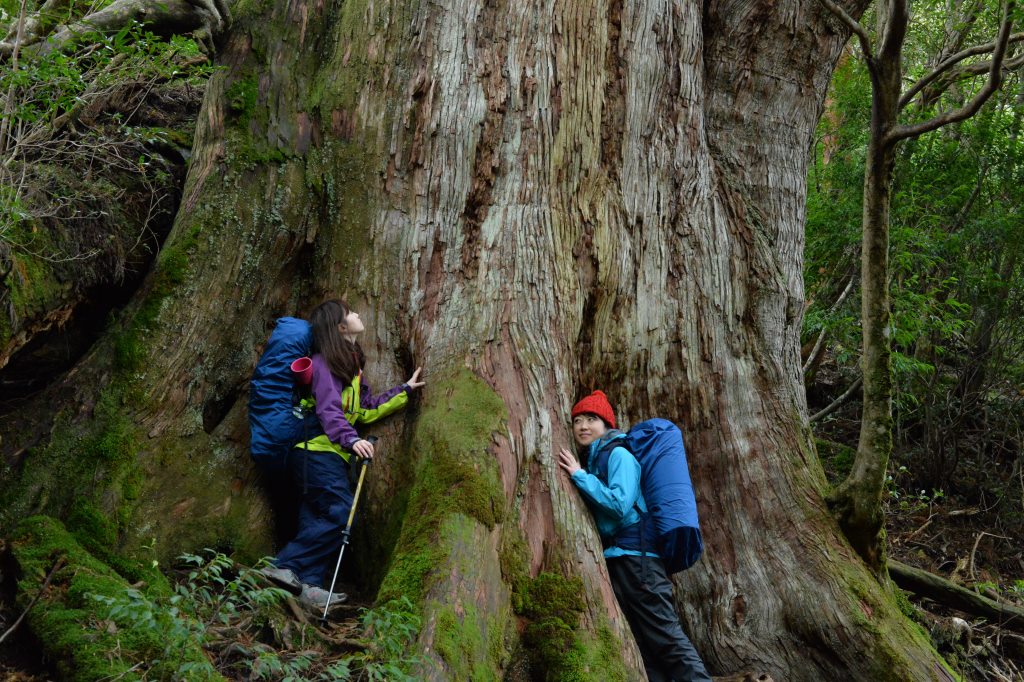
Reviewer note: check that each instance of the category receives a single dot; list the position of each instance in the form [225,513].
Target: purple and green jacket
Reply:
[339,408]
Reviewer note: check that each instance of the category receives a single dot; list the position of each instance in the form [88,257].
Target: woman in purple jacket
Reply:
[320,465]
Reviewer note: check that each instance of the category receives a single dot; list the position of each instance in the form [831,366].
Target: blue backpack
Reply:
[665,484]
[274,423]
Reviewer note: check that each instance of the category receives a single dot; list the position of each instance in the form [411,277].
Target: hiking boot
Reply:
[282,577]
[316,597]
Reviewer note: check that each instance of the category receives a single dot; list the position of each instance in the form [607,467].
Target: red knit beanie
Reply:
[596,403]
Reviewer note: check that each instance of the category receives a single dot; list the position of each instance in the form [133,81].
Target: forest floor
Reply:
[967,528]
[293,644]
[968,533]
[964,543]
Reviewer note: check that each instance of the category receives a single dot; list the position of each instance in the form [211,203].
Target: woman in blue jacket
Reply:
[610,486]
[320,465]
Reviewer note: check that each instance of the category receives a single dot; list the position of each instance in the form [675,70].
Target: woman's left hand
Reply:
[414,381]
[568,462]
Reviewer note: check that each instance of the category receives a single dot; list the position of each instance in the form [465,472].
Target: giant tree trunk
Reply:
[531,199]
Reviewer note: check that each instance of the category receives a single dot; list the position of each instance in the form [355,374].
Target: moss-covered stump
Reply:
[89,621]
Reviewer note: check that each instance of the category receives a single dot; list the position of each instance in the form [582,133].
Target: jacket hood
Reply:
[608,437]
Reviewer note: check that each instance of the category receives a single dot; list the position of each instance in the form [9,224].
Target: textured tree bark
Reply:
[532,199]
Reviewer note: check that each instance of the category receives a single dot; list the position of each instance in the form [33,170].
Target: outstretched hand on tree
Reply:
[414,381]
[568,462]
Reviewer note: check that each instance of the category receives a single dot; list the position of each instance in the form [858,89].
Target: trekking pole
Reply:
[348,529]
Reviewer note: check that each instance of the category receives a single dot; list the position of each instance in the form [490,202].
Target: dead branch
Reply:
[995,76]
[46,583]
[938,589]
[820,343]
[854,387]
[974,549]
[920,530]
[171,16]
[206,19]
[5,124]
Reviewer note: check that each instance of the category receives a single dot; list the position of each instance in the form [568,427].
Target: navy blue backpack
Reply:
[275,424]
[665,484]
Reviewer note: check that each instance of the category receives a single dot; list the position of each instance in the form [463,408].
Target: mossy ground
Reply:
[836,459]
[71,625]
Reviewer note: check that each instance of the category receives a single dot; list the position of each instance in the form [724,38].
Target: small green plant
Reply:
[163,635]
[390,630]
[215,592]
[986,585]
[909,501]
[216,599]
[80,109]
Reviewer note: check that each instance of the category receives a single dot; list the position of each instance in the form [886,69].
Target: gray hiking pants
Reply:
[645,597]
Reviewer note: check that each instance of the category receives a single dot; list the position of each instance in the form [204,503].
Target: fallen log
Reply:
[947,593]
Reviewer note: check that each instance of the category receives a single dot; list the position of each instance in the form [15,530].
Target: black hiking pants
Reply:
[645,597]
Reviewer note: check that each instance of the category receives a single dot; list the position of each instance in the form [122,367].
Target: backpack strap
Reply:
[601,458]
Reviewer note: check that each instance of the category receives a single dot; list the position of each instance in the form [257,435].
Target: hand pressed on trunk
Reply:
[568,462]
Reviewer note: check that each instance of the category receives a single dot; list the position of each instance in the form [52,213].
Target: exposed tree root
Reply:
[204,19]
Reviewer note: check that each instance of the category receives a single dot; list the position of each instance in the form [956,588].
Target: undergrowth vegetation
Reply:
[213,619]
[94,140]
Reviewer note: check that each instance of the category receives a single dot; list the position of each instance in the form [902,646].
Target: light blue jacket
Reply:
[612,505]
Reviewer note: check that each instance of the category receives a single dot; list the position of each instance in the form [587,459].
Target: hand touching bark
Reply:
[414,381]
[568,462]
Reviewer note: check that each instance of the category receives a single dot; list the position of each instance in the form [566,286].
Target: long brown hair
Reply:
[344,358]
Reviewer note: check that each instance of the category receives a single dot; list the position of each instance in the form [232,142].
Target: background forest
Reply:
[955,483]
[95,142]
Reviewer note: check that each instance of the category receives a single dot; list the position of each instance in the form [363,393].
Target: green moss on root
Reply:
[470,651]
[455,475]
[74,630]
[557,649]
[877,612]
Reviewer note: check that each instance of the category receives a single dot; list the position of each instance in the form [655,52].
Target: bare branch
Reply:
[995,76]
[820,343]
[854,26]
[952,61]
[46,583]
[5,124]
[837,403]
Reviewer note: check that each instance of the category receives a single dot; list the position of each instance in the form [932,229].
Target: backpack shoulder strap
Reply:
[604,453]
